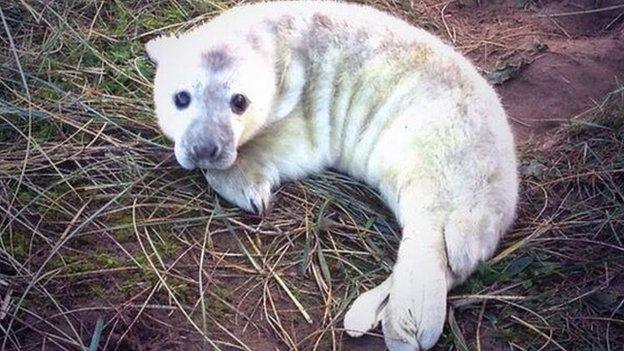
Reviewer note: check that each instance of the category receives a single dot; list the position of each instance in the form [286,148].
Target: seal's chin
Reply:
[186,165]
[183,159]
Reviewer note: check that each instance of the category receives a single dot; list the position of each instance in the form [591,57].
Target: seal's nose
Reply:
[206,151]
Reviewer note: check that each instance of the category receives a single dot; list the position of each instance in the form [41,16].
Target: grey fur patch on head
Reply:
[322,21]
[285,22]
[218,59]
[254,40]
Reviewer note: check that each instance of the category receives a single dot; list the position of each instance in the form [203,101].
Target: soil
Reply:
[563,83]
[566,63]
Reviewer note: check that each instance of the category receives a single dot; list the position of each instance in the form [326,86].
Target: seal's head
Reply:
[211,96]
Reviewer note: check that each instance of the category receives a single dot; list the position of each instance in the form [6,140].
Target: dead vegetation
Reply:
[105,243]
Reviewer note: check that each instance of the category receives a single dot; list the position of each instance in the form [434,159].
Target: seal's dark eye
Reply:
[239,103]
[182,99]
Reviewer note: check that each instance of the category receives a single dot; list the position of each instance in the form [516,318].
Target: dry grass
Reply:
[105,242]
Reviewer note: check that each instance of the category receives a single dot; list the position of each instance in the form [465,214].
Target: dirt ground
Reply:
[562,64]
[570,62]
[104,226]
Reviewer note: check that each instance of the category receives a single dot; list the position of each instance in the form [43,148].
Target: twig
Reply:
[574,13]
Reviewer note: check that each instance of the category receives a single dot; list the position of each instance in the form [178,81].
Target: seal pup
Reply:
[272,92]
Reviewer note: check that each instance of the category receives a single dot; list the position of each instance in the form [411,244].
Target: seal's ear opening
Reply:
[160,47]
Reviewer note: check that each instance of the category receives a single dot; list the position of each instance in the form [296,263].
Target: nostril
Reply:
[214,152]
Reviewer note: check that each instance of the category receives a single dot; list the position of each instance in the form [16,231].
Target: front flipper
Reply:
[247,186]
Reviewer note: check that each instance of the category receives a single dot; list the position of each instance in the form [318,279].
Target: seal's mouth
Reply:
[205,156]
[220,164]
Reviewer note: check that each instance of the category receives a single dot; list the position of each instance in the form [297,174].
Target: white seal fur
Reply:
[346,86]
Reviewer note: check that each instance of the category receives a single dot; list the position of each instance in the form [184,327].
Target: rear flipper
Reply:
[471,236]
[414,315]
[367,310]
[411,303]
